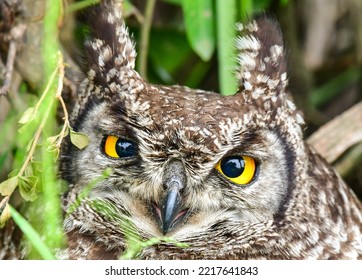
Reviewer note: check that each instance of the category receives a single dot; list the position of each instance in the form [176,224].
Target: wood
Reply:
[334,138]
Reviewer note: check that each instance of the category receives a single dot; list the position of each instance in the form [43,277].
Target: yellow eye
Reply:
[238,169]
[118,148]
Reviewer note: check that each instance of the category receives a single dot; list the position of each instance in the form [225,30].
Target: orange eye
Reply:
[238,169]
[118,148]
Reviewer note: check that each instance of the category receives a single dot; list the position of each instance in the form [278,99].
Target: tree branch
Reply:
[337,136]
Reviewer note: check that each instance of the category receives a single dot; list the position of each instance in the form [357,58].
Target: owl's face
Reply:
[178,144]
[184,163]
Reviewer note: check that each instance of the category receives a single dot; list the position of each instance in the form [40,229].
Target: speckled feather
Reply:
[296,208]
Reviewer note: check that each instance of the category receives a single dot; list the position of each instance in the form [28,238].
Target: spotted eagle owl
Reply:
[229,176]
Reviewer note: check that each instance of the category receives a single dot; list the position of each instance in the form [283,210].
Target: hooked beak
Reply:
[170,211]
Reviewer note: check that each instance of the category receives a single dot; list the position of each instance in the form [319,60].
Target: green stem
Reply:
[145,36]
[52,230]
[226,33]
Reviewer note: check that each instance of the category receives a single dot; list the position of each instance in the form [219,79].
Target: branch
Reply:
[16,34]
[338,135]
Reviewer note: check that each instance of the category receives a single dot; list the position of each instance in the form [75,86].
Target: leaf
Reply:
[8,186]
[52,139]
[14,173]
[57,139]
[27,187]
[37,166]
[79,5]
[32,235]
[332,87]
[4,215]
[176,53]
[80,140]
[246,8]
[175,2]
[3,157]
[199,22]
[28,171]
[87,189]
[127,8]
[261,5]
[27,116]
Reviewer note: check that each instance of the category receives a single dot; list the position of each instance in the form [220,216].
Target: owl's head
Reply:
[185,163]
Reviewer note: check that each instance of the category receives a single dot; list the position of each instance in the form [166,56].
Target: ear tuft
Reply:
[261,55]
[110,47]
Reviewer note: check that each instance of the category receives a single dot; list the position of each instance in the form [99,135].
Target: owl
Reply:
[208,176]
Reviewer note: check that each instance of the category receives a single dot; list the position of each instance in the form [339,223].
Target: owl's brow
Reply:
[118,109]
[251,144]
[117,123]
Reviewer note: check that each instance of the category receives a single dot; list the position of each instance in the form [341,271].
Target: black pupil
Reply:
[232,166]
[125,148]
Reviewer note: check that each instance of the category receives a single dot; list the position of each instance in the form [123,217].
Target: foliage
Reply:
[207,22]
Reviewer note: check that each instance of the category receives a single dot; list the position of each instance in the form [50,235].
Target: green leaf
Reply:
[8,186]
[37,167]
[4,215]
[334,86]
[127,7]
[28,171]
[199,23]
[27,116]
[87,189]
[31,235]
[175,2]
[80,140]
[14,173]
[27,187]
[246,8]
[79,5]
[262,4]
[3,158]
[175,50]
[52,139]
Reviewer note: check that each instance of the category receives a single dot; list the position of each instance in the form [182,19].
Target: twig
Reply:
[33,146]
[145,36]
[3,203]
[58,95]
[9,68]
[16,33]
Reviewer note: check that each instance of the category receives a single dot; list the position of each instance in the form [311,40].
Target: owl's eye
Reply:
[238,169]
[118,148]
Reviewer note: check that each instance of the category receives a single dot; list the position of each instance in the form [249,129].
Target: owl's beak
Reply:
[170,208]
[170,211]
